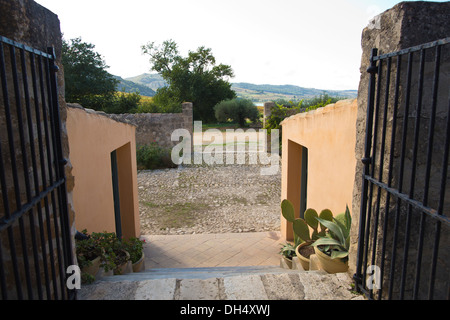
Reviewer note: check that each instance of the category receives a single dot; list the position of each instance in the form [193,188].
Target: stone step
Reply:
[221,283]
[197,273]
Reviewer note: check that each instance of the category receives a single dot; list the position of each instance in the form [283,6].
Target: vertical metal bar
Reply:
[381,165]
[2,169]
[428,170]
[24,162]
[44,183]
[372,174]
[66,232]
[51,164]
[390,167]
[366,161]
[440,207]
[400,181]
[12,151]
[6,104]
[35,168]
[413,173]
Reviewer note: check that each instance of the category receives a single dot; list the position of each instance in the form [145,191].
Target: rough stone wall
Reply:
[29,23]
[405,25]
[158,127]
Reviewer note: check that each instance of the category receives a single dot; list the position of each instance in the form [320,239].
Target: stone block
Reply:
[314,263]
[244,288]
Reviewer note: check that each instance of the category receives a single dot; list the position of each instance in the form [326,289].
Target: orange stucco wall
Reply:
[329,134]
[92,138]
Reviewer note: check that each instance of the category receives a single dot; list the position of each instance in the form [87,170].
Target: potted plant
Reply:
[287,251]
[115,257]
[301,227]
[332,249]
[89,256]
[135,247]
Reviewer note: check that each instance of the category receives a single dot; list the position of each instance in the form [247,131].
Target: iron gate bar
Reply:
[45,93]
[401,170]
[403,196]
[383,141]
[428,45]
[427,172]
[14,170]
[370,220]
[413,171]
[25,47]
[64,215]
[366,161]
[390,174]
[440,210]
[378,70]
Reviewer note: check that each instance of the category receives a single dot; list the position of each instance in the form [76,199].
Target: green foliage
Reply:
[86,80]
[195,78]
[87,250]
[237,110]
[152,156]
[336,241]
[135,247]
[105,245]
[284,109]
[288,250]
[301,226]
[123,103]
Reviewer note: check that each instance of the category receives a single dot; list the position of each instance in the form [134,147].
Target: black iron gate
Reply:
[35,243]
[403,248]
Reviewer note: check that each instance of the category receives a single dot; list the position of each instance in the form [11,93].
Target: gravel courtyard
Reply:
[209,199]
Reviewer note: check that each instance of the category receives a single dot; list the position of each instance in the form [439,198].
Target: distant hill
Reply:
[130,86]
[266,92]
[153,81]
[258,93]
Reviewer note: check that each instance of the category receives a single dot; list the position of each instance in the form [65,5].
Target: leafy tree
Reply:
[195,78]
[86,80]
[236,110]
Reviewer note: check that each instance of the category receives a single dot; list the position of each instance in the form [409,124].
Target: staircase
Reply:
[221,283]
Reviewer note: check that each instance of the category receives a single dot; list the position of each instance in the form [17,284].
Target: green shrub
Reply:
[153,156]
[236,110]
[284,108]
[124,103]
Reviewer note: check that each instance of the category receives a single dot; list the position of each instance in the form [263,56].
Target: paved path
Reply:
[212,250]
[232,266]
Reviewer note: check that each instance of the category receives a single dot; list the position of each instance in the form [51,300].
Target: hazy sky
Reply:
[315,44]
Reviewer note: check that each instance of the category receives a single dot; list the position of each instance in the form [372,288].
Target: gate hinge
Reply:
[372,69]
[366,161]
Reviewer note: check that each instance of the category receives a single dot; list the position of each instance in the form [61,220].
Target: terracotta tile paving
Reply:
[212,250]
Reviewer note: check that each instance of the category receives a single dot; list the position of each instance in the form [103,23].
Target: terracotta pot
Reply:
[288,262]
[93,268]
[331,265]
[303,260]
[124,267]
[139,265]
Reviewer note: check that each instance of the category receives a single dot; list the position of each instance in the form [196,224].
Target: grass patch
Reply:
[177,215]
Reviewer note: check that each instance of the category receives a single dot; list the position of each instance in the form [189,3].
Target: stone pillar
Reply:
[405,25]
[268,106]
[188,116]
